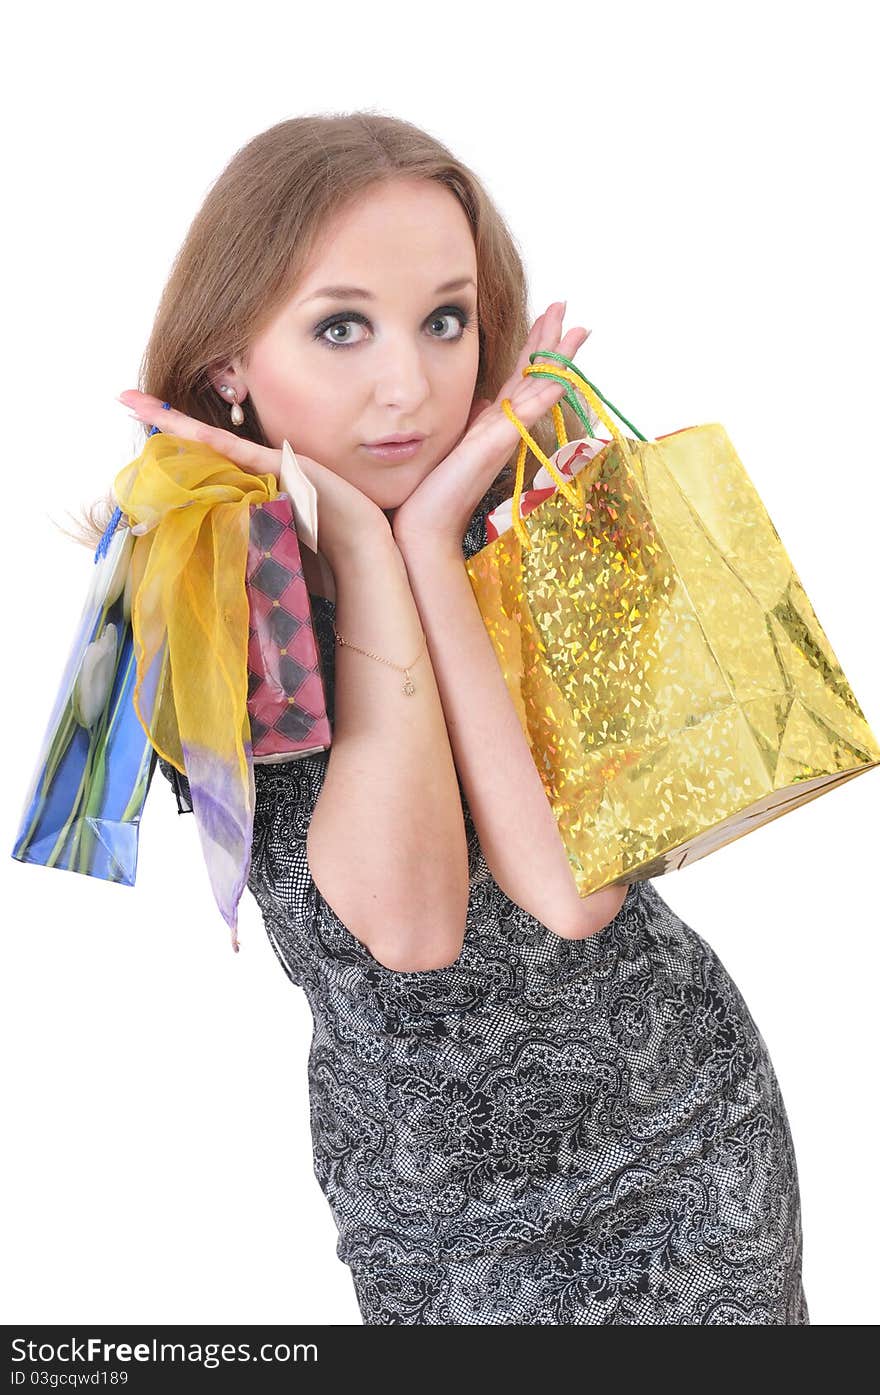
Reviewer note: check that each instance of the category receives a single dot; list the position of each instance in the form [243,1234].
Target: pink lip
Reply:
[396,450]
[395,440]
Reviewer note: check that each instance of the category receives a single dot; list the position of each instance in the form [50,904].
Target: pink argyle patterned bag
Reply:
[286,704]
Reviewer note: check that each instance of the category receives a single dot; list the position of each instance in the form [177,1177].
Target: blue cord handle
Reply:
[101,549]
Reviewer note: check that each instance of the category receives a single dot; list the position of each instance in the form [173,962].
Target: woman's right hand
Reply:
[345,514]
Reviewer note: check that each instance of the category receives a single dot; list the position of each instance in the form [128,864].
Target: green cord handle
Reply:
[570,396]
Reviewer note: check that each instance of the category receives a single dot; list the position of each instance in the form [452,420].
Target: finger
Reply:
[148,409]
[536,384]
[545,337]
[535,337]
[539,394]
[552,327]
[568,347]
[541,337]
[574,338]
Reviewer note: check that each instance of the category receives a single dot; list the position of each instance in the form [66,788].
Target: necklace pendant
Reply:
[409,687]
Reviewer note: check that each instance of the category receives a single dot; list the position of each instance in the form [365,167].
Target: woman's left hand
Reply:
[440,508]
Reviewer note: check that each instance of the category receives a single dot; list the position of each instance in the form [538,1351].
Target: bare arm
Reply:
[386,845]
[510,809]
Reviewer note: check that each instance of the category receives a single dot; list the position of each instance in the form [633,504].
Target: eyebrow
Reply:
[346,292]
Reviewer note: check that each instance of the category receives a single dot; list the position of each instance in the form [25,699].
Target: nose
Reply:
[401,378]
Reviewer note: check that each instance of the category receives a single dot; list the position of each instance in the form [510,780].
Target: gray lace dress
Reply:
[547,1131]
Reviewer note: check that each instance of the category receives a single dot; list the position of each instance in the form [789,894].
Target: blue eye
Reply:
[354,317]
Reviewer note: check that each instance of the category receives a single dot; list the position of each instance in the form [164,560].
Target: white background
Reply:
[697,181]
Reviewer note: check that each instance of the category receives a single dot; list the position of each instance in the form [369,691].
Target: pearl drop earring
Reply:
[236,412]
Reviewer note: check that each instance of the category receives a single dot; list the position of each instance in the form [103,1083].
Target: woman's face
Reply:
[398,355]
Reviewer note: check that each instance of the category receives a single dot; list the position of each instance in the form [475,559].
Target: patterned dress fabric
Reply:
[547,1131]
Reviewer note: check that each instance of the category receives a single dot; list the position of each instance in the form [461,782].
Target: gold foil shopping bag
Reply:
[670,674]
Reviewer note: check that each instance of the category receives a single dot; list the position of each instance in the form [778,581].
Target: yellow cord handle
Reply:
[567,488]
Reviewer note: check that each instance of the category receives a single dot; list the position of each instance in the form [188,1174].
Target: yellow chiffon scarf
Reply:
[189,507]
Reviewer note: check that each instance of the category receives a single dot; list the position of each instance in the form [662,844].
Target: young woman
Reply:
[525,1107]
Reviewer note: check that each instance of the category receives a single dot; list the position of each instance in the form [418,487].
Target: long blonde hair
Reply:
[252,238]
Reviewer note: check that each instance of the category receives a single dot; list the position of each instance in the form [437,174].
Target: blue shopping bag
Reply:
[83,808]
